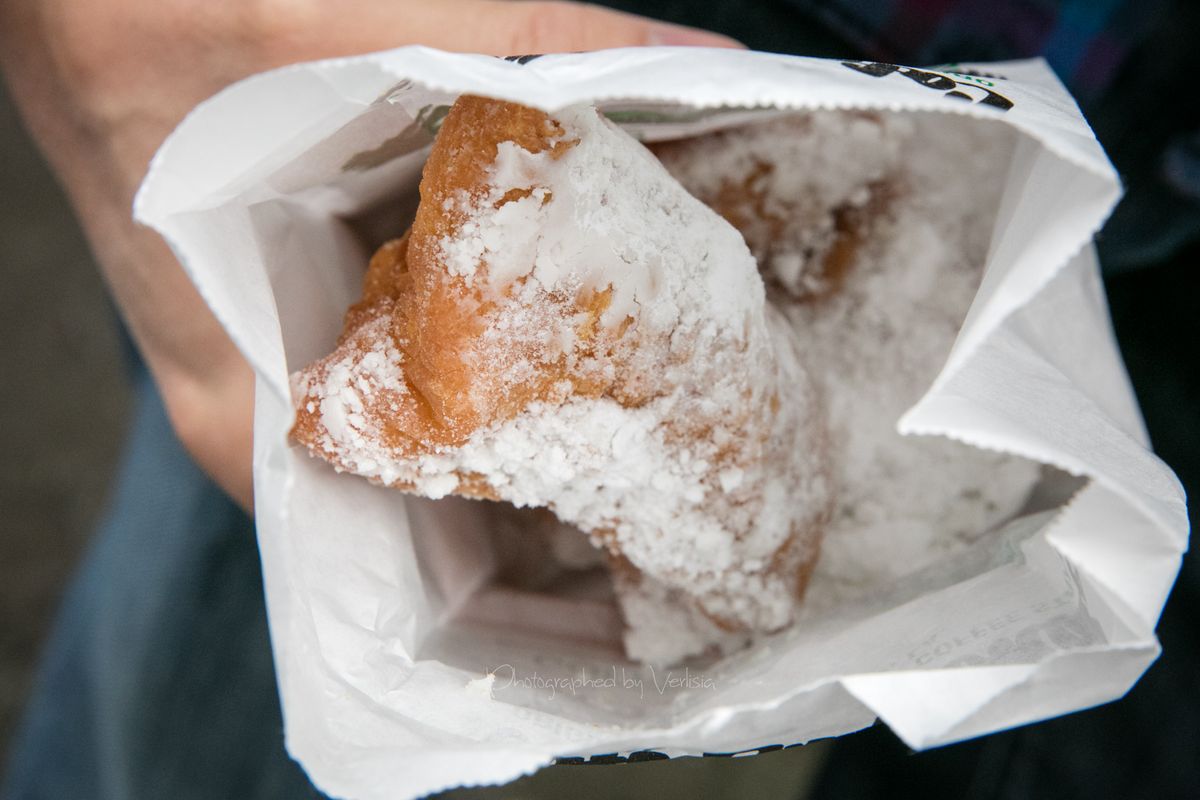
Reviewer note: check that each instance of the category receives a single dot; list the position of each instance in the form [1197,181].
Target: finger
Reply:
[509,28]
[495,27]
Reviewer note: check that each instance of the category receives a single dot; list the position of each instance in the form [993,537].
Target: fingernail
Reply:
[666,34]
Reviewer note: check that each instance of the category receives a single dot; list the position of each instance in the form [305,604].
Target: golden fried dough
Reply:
[565,327]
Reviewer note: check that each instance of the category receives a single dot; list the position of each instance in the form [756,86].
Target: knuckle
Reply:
[548,27]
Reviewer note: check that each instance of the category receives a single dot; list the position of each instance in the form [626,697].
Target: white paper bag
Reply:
[385,697]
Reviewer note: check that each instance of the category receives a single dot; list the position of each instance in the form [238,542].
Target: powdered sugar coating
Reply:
[876,343]
[700,460]
[712,526]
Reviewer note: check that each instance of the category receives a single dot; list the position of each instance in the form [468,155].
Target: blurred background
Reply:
[63,403]
[66,397]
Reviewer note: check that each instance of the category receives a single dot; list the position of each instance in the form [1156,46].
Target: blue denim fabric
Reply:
[157,681]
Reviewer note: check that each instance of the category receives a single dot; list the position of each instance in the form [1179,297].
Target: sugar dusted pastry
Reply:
[872,230]
[803,189]
[565,327]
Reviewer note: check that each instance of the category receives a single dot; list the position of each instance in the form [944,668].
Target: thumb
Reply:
[494,27]
[513,28]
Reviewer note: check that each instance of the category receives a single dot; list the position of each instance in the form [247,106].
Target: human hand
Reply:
[101,84]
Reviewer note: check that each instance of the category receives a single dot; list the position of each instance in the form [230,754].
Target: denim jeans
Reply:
[157,681]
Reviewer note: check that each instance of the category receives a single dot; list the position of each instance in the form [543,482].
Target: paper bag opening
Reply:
[382,697]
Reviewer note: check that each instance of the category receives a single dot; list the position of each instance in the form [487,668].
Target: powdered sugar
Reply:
[714,482]
[599,234]
[875,343]
[704,465]
[781,182]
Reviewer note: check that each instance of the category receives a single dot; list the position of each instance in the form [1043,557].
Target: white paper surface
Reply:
[383,699]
